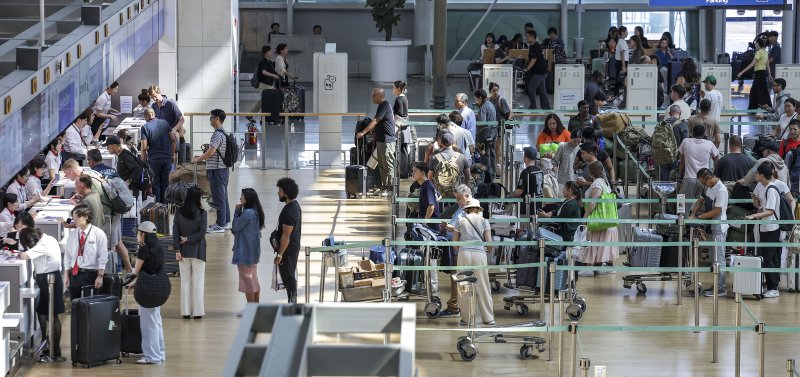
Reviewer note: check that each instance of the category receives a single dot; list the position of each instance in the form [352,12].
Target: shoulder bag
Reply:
[603,211]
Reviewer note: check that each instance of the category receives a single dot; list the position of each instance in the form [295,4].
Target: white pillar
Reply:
[206,61]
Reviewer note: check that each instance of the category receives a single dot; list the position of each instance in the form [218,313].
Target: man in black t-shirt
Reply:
[536,71]
[530,180]
[734,165]
[266,77]
[290,223]
[383,123]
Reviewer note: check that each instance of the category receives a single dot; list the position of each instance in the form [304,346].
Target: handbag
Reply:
[277,284]
[580,236]
[604,211]
[275,239]
[152,290]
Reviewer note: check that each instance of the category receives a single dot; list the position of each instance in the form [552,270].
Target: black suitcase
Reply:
[355,181]
[294,99]
[405,157]
[95,330]
[170,263]
[414,281]
[157,213]
[184,152]
[131,330]
[527,276]
[112,285]
[272,104]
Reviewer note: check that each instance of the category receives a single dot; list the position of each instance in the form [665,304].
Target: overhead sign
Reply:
[717,3]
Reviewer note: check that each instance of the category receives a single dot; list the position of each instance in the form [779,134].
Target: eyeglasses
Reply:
[211,117]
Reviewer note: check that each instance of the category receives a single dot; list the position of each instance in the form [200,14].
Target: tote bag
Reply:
[604,210]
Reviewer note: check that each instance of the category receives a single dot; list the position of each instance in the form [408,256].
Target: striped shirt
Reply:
[217,141]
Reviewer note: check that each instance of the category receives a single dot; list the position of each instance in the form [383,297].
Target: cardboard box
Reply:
[363,283]
[346,278]
[378,282]
[366,265]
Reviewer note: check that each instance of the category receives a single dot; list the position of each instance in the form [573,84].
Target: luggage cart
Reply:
[638,280]
[467,345]
[433,304]
[576,307]
[502,232]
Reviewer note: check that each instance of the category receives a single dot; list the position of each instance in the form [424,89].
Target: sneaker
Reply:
[462,322]
[772,293]
[214,228]
[145,360]
[585,273]
[710,292]
[606,272]
[447,313]
[490,323]
[227,226]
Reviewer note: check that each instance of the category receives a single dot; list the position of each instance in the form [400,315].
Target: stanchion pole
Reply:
[308,274]
[681,230]
[528,206]
[503,156]
[625,175]
[562,297]
[790,367]
[322,274]
[286,146]
[585,363]
[263,143]
[761,348]
[387,270]
[715,335]
[552,294]
[573,329]
[696,278]
[738,337]
[394,227]
[542,277]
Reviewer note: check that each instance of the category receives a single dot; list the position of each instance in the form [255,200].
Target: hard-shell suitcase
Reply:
[527,277]
[131,330]
[625,230]
[645,253]
[422,147]
[548,235]
[414,279]
[747,283]
[168,246]
[294,99]
[793,278]
[355,180]
[272,104]
[112,285]
[95,330]
[561,276]
[159,214]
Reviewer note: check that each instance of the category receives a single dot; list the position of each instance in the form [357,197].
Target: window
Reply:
[655,24]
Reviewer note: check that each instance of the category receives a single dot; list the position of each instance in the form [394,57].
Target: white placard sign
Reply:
[568,99]
[126,104]
[681,203]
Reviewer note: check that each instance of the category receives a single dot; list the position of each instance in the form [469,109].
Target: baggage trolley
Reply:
[433,304]
[638,280]
[467,345]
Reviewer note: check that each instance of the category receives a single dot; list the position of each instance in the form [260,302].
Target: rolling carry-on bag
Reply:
[170,264]
[159,214]
[294,99]
[112,285]
[355,175]
[95,330]
[131,330]
[561,275]
[747,283]
[527,276]
[645,253]
[411,257]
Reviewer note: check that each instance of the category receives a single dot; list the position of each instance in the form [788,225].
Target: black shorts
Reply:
[43,304]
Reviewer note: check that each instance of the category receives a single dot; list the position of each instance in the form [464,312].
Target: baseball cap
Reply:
[147,227]
[773,146]
[530,153]
[711,79]
[448,139]
[112,140]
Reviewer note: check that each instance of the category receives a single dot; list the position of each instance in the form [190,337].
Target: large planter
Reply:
[389,60]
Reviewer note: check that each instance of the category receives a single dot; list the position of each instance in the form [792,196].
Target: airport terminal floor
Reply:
[200,347]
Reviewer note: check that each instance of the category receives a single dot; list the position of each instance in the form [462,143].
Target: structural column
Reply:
[440,54]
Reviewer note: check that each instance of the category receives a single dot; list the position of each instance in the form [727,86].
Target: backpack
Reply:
[784,211]
[550,186]
[254,80]
[613,122]
[632,136]
[231,149]
[116,191]
[144,181]
[447,175]
[665,147]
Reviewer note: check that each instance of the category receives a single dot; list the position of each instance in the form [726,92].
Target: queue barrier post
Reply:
[738,338]
[696,278]
[585,364]
[790,367]
[308,274]
[552,294]
[715,336]
[573,329]
[681,229]
[761,347]
[542,277]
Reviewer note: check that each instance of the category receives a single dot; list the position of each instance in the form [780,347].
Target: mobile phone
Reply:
[69,220]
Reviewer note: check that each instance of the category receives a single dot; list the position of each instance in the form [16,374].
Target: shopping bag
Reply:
[277,284]
[372,163]
[604,211]
[580,236]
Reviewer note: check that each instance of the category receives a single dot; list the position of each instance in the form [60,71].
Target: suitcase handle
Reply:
[91,290]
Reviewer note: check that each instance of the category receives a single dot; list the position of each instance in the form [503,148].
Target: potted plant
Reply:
[389,57]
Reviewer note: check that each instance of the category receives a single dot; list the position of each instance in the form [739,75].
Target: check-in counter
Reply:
[22,293]
[132,124]
[8,321]
[49,217]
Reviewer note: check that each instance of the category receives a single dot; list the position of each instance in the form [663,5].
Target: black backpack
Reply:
[784,211]
[144,181]
[231,149]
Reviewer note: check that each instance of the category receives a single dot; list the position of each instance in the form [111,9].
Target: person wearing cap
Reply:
[712,94]
[767,200]
[773,113]
[85,254]
[218,173]
[150,260]
[694,155]
[158,149]
[705,119]
[127,165]
[447,156]
[531,177]
[114,227]
[774,55]
[45,252]
[474,228]
[770,155]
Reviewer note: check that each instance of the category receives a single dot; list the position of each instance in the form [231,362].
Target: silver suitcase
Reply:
[625,230]
[648,254]
[747,283]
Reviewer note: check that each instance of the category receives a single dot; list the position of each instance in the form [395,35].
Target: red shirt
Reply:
[787,145]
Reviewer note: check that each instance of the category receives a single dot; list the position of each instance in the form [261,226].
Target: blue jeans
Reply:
[152,334]
[161,167]
[218,180]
